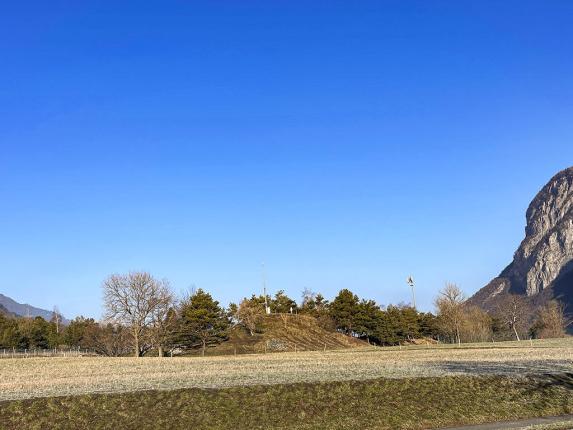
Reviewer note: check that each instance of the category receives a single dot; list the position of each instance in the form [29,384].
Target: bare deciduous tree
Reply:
[551,321]
[477,325]
[250,314]
[109,339]
[308,296]
[513,313]
[163,320]
[284,318]
[135,300]
[450,309]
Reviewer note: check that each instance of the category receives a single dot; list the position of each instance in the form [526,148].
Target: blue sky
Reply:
[345,144]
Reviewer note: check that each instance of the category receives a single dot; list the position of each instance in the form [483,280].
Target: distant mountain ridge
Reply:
[6,312]
[23,309]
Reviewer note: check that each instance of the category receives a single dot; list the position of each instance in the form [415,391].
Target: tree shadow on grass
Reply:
[545,368]
[557,379]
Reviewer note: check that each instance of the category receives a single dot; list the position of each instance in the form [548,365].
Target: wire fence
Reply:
[56,352]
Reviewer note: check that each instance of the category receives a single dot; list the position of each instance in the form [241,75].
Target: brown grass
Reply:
[44,377]
[283,333]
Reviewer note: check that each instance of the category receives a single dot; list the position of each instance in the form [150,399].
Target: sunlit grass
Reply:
[44,377]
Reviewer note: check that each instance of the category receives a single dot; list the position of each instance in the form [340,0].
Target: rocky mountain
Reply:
[20,309]
[542,267]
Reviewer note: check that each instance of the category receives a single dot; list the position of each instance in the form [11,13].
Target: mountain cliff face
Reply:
[542,266]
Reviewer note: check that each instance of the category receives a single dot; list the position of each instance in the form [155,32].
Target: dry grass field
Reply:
[415,387]
[46,377]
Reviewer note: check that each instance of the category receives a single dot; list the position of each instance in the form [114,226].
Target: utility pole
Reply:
[56,317]
[410,282]
[267,308]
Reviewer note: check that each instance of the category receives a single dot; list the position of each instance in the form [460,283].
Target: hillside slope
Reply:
[6,312]
[284,333]
[24,310]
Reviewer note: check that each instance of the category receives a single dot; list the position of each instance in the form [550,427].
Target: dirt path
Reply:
[523,424]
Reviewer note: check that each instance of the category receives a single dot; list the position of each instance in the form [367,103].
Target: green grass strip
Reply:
[418,403]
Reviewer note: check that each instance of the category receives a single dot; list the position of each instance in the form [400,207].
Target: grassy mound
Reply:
[282,333]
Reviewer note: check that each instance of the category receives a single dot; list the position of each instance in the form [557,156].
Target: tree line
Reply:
[143,316]
[513,318]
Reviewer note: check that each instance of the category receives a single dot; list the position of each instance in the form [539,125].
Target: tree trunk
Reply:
[160,351]
[136,345]
[516,335]
[203,349]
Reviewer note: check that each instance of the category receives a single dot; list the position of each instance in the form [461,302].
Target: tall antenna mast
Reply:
[410,282]
[267,309]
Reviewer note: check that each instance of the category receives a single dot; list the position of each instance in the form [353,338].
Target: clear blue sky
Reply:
[345,144]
